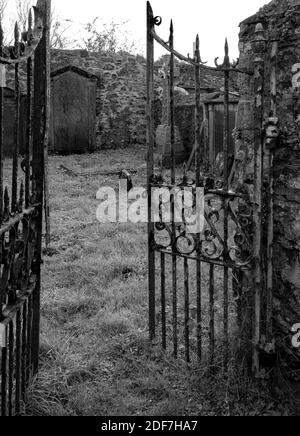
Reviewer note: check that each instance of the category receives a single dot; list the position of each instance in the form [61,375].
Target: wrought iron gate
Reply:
[21,208]
[208,287]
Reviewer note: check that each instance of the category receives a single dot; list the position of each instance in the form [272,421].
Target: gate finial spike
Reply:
[171,40]
[149,7]
[226,47]
[226,59]
[1,35]
[197,53]
[17,33]
[30,20]
[197,42]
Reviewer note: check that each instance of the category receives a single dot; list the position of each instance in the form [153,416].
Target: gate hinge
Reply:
[272,132]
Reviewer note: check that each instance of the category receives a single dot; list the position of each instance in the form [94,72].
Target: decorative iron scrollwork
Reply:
[17,260]
[209,245]
[157,21]
[241,212]
[226,65]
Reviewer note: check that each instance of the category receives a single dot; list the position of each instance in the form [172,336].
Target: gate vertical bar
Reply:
[18,363]
[24,351]
[186,289]
[259,46]
[150,148]
[29,118]
[186,311]
[163,300]
[11,358]
[173,181]
[39,132]
[46,161]
[14,195]
[4,374]
[29,338]
[225,203]
[211,314]
[29,132]
[197,58]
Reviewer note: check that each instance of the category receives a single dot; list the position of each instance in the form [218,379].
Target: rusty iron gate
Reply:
[21,208]
[211,293]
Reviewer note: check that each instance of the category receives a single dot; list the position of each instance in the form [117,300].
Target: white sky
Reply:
[212,19]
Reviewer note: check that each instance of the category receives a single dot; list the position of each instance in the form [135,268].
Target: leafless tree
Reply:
[23,7]
[3,4]
[5,22]
[107,37]
[59,28]
[58,37]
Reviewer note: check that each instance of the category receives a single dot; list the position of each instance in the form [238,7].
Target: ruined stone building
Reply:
[281,21]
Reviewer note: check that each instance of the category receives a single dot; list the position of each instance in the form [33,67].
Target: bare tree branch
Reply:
[58,38]
[108,38]
[3,5]
[23,7]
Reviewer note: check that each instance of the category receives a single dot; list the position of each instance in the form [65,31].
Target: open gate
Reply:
[211,293]
[21,208]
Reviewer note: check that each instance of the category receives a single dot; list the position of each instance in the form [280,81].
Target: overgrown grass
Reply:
[95,356]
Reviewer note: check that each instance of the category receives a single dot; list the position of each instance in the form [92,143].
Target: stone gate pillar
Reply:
[281,20]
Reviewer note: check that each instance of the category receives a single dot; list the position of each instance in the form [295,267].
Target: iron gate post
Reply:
[197,58]
[41,95]
[150,167]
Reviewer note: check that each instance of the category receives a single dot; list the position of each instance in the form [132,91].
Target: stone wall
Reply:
[281,19]
[121,94]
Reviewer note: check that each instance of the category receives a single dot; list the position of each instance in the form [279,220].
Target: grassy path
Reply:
[95,358]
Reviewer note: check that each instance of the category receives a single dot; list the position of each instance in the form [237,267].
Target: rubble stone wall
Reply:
[281,19]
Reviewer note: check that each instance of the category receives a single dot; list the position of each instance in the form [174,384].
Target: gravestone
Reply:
[9,118]
[73,111]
